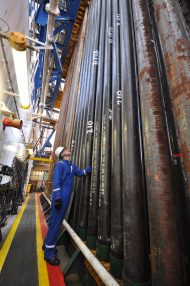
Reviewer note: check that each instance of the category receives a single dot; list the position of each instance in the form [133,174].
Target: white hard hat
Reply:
[59,150]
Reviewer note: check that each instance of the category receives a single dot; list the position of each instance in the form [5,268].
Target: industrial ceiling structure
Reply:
[57,25]
[66,28]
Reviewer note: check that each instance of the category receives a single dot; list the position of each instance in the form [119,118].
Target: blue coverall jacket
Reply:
[63,175]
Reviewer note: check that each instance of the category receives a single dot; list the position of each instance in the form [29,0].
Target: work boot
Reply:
[43,248]
[53,261]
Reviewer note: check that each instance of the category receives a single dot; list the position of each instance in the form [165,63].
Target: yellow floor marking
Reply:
[5,248]
[42,268]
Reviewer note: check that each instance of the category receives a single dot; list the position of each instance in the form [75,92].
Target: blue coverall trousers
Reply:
[54,228]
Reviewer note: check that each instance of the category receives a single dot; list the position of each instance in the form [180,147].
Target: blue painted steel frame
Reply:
[37,77]
[66,19]
[46,144]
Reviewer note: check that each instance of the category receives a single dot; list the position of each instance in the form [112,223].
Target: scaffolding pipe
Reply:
[104,275]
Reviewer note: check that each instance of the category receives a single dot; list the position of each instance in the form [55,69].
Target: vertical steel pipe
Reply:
[166,248]
[81,111]
[63,109]
[116,179]
[74,97]
[89,124]
[80,101]
[135,226]
[177,164]
[75,89]
[95,177]
[71,105]
[105,159]
[68,128]
[176,49]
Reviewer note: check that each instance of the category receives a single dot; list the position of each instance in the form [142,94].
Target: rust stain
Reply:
[181,90]
[170,66]
[186,156]
[179,79]
[145,71]
[182,45]
[176,47]
[166,258]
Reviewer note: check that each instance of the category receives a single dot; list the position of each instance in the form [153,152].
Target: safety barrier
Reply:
[104,275]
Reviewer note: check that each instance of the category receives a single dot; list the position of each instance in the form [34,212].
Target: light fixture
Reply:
[18,44]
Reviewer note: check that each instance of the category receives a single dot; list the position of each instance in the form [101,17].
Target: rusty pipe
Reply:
[176,49]
[165,240]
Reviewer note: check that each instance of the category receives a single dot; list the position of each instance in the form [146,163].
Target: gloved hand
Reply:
[58,204]
[88,170]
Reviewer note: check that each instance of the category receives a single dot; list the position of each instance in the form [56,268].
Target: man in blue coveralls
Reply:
[64,172]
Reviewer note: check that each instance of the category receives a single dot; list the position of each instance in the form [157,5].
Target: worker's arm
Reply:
[78,172]
[57,177]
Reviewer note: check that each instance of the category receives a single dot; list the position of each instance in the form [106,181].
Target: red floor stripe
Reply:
[54,272]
